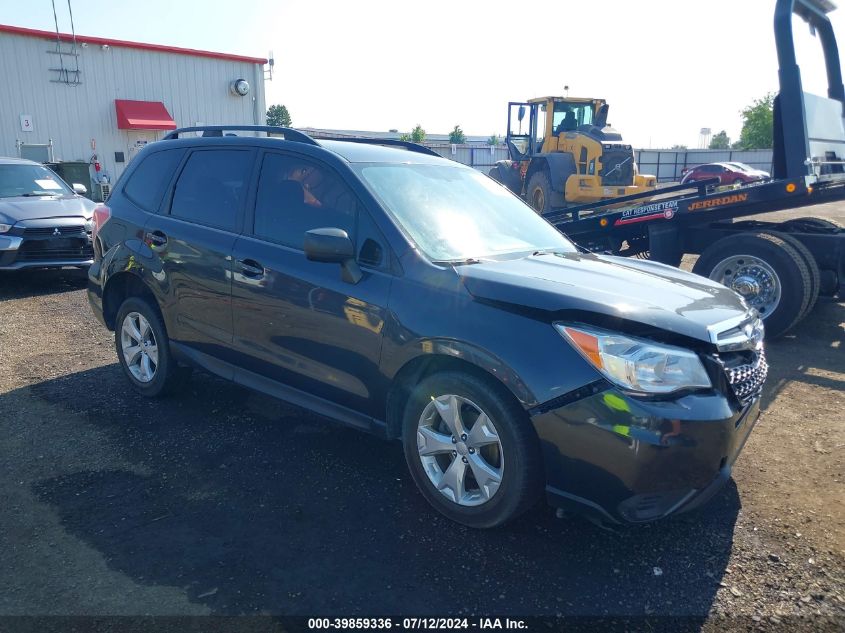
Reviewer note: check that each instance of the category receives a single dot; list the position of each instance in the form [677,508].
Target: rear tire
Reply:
[497,465]
[539,192]
[812,267]
[770,274]
[143,350]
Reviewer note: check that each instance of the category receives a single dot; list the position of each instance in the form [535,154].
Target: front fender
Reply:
[462,351]
[561,167]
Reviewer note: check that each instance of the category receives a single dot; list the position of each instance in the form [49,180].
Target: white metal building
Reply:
[77,98]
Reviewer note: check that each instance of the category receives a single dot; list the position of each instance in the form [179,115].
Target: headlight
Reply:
[637,364]
[4,228]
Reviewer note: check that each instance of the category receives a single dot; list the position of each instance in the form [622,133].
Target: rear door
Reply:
[296,321]
[193,240]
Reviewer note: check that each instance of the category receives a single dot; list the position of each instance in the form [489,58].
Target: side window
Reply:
[147,183]
[212,187]
[372,247]
[295,196]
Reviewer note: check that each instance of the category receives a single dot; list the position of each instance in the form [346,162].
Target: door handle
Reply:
[155,238]
[250,268]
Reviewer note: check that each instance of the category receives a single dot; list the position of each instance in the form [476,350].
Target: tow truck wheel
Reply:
[539,192]
[769,273]
[812,267]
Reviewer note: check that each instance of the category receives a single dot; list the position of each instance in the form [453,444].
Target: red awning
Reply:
[143,115]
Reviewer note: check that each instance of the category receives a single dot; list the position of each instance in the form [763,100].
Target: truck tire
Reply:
[539,191]
[767,271]
[812,267]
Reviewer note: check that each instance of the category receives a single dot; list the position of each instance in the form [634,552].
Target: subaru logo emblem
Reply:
[56,231]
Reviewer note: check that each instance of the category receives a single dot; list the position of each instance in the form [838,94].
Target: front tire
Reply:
[471,450]
[143,349]
[539,192]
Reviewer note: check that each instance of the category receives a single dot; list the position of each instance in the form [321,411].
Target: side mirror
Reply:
[333,246]
[80,189]
[520,114]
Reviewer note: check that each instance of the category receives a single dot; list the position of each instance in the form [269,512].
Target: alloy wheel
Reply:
[139,347]
[460,450]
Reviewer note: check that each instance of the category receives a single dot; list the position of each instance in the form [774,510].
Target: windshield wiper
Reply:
[456,262]
[38,194]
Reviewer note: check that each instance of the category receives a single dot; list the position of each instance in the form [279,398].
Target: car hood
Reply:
[14,210]
[641,291]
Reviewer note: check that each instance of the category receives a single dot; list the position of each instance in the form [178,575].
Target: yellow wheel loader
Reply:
[562,152]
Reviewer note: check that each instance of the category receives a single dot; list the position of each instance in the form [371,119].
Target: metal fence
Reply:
[668,165]
[480,157]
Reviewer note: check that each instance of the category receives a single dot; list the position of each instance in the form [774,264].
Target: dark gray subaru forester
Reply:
[413,297]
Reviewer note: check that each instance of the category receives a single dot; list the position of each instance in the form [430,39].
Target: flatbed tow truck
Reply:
[780,268]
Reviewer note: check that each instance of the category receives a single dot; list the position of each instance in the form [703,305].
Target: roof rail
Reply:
[389,142]
[289,134]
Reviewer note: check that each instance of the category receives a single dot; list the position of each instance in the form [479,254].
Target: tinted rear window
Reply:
[212,187]
[147,183]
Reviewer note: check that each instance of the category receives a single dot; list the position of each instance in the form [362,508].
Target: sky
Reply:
[667,67]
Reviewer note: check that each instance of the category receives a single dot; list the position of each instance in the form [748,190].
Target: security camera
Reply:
[105,47]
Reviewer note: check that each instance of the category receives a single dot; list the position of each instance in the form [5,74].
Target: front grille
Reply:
[617,169]
[747,380]
[64,231]
[72,248]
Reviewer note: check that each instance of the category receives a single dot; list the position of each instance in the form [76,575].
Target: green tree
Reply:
[678,147]
[278,115]
[720,141]
[457,136]
[757,124]
[404,136]
[418,134]
[493,140]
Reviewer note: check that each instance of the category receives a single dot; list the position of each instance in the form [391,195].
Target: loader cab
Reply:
[570,114]
[534,126]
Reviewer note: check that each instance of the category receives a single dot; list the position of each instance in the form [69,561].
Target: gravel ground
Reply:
[222,501]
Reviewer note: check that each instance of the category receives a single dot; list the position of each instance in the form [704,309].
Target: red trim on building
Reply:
[142,115]
[158,48]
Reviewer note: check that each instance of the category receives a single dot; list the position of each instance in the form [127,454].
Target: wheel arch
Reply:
[559,166]
[469,360]
[118,288]
[504,173]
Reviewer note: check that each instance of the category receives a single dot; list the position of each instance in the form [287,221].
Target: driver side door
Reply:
[297,322]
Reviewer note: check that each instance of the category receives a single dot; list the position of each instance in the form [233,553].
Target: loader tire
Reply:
[539,192]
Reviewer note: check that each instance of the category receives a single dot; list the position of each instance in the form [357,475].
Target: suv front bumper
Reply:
[629,461]
[36,245]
